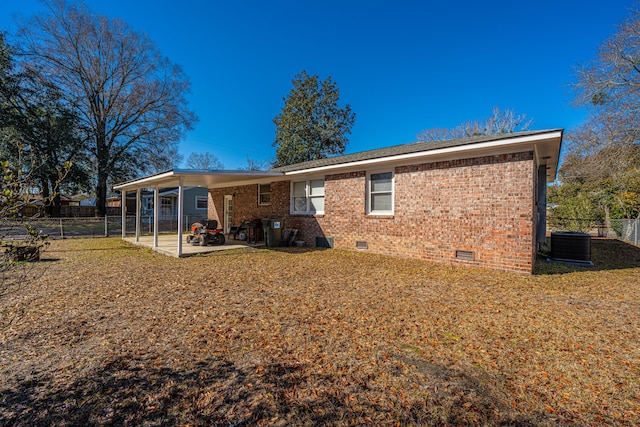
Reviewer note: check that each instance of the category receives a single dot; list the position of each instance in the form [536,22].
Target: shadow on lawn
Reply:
[218,393]
[606,254]
[214,392]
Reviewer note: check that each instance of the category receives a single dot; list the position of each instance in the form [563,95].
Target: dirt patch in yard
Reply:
[115,334]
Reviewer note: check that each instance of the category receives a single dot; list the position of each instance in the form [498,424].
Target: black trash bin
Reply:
[273,231]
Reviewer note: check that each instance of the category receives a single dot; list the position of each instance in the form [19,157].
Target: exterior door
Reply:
[166,208]
[228,213]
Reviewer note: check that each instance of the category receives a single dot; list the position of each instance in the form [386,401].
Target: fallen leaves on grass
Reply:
[114,334]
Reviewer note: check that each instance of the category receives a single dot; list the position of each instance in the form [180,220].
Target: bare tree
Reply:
[258,165]
[500,122]
[204,161]
[603,166]
[130,97]
[603,154]
[611,82]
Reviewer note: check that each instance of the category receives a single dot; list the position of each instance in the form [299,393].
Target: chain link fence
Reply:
[627,230]
[92,227]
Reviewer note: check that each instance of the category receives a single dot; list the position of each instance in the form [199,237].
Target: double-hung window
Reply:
[380,194]
[307,197]
[264,194]
[201,202]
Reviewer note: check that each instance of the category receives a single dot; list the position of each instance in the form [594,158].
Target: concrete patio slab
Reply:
[168,245]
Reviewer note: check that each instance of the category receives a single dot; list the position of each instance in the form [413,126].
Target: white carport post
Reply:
[180,211]
[156,216]
[123,206]
[138,216]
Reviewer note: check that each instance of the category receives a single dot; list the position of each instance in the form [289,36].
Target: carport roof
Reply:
[197,178]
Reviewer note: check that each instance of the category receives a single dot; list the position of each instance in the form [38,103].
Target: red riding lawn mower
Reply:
[206,232]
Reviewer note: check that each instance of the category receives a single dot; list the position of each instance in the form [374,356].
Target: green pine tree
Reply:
[311,125]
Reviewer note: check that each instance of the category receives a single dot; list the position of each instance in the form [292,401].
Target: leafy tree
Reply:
[499,123]
[204,161]
[129,97]
[573,206]
[22,167]
[311,125]
[34,113]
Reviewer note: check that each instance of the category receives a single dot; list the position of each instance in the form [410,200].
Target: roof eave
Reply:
[517,142]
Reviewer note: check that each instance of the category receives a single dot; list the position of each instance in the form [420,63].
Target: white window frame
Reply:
[206,202]
[370,210]
[260,202]
[307,196]
[148,203]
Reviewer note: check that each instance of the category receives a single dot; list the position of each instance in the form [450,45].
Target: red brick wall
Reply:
[246,208]
[245,199]
[484,205]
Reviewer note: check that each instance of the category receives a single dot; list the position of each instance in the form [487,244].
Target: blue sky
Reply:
[402,65]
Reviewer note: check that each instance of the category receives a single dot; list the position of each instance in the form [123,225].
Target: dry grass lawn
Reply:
[113,334]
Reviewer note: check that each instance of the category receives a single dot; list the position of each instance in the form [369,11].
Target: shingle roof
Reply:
[404,149]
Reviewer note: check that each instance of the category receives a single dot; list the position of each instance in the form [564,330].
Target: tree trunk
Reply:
[101,194]
[103,170]
[607,217]
[46,203]
[56,206]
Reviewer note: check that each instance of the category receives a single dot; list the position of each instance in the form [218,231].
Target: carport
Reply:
[180,178]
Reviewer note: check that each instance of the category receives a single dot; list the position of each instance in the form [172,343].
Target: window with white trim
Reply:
[307,197]
[264,194]
[148,203]
[380,193]
[201,202]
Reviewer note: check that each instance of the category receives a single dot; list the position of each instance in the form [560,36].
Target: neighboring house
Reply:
[478,201]
[195,203]
[70,206]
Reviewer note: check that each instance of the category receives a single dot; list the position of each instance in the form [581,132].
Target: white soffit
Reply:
[194,178]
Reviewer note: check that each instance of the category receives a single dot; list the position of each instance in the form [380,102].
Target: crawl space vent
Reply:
[362,245]
[464,255]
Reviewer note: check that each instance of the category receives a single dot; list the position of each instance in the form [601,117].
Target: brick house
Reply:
[478,201]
